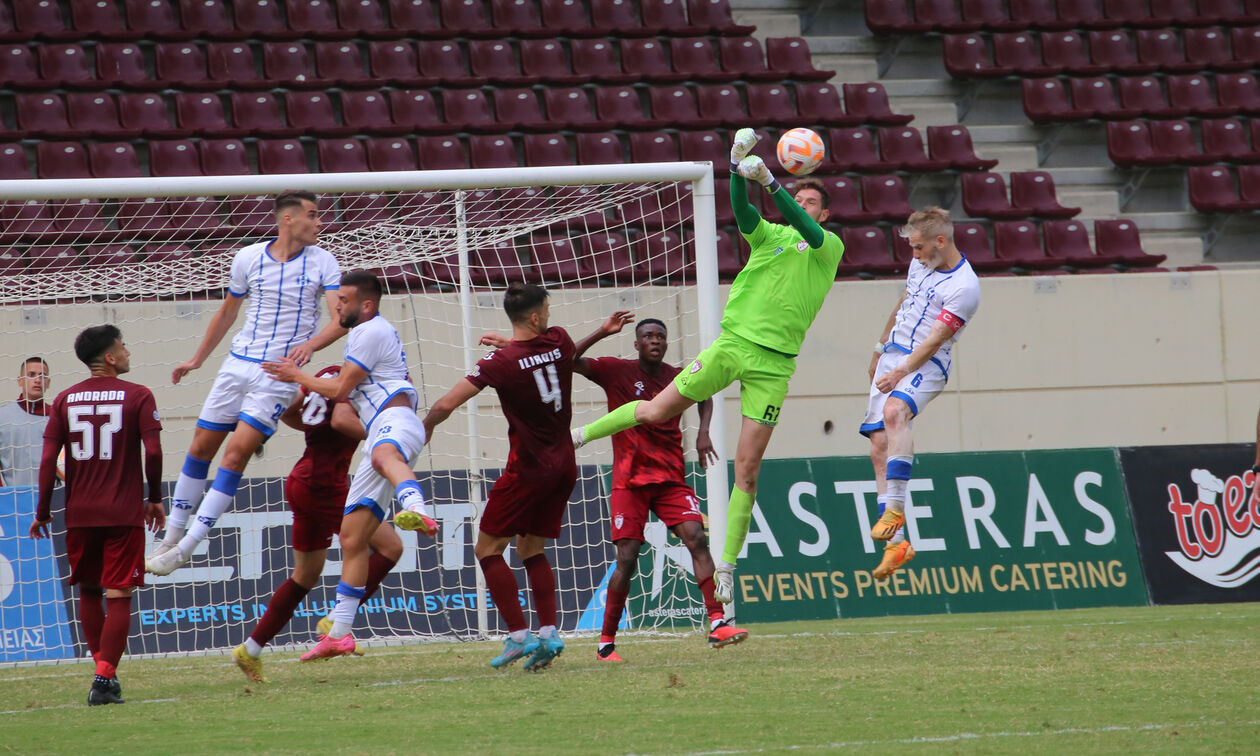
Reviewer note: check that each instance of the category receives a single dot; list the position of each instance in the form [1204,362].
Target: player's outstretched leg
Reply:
[413,515]
[190,488]
[379,565]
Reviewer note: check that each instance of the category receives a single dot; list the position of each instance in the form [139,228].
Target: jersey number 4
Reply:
[87,447]
[549,386]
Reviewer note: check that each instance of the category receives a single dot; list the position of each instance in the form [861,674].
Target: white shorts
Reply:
[916,390]
[401,427]
[243,392]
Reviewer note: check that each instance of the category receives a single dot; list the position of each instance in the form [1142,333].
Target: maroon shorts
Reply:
[111,557]
[531,505]
[672,502]
[316,513]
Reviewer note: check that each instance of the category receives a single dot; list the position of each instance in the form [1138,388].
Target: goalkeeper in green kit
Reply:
[772,303]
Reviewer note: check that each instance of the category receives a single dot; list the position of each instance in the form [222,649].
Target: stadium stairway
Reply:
[911,69]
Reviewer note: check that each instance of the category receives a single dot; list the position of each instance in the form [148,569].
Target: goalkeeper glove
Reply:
[745,140]
[754,169]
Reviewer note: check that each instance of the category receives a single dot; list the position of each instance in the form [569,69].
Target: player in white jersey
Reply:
[283,279]
[374,378]
[911,364]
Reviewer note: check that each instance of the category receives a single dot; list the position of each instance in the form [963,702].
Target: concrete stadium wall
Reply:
[1049,362]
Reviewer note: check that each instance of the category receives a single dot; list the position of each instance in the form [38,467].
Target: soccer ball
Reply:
[800,151]
[61,464]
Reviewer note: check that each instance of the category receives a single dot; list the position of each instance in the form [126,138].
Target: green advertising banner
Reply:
[995,531]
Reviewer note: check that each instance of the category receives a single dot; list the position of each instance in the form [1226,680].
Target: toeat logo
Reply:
[1220,543]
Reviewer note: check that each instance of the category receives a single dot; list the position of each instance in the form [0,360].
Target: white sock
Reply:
[184,500]
[214,505]
[411,497]
[713,624]
[518,635]
[603,646]
[343,613]
[897,495]
[547,631]
[253,648]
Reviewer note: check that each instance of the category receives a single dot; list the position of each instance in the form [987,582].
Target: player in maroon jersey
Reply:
[649,475]
[105,421]
[533,376]
[316,491]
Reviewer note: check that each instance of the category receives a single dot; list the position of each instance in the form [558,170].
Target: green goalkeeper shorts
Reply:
[763,376]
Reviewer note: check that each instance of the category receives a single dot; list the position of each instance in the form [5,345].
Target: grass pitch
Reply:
[1135,680]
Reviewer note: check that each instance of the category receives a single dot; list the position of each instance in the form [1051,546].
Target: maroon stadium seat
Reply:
[990,14]
[202,113]
[657,147]
[208,18]
[1225,140]
[1084,14]
[518,18]
[287,63]
[617,18]
[1144,96]
[259,114]
[113,160]
[984,196]
[19,67]
[180,64]
[715,15]
[705,145]
[1047,100]
[1068,242]
[790,57]
[943,16]
[1129,143]
[43,115]
[367,112]
[1034,192]
[261,19]
[145,112]
[558,259]
[771,104]
[312,112]
[1018,243]
[1220,11]
[1121,239]
[544,59]
[676,106]
[1162,49]
[869,102]
[610,258]
[1193,95]
[281,156]
[599,148]
[1209,48]
[886,195]
[100,18]
[154,18]
[466,18]
[417,18]
[444,60]
[1066,52]
[901,147]
[96,112]
[967,56]
[567,18]
[1017,53]
[174,158]
[341,64]
[1249,185]
[570,108]
[494,60]
[1240,92]
[546,149]
[363,18]
[1115,51]
[1038,14]
[467,110]
[854,149]
[670,17]
[61,160]
[953,145]
[722,103]
[1131,13]
[1097,97]
[66,65]
[884,17]
[845,202]
[341,156]
[1174,141]
[742,57]
[231,64]
[619,106]
[223,157]
[395,62]
[596,59]
[663,258]
[415,110]
[730,257]
[865,251]
[645,59]
[441,153]
[819,104]
[390,154]
[518,109]
[1212,190]
[492,151]
[1246,45]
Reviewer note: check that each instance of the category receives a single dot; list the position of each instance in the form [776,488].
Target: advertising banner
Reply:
[993,531]
[33,623]
[1197,521]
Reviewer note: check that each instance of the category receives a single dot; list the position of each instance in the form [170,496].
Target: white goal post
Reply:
[152,255]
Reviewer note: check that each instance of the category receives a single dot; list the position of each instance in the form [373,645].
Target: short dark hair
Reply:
[94,342]
[521,299]
[29,360]
[293,198]
[649,321]
[367,283]
[816,185]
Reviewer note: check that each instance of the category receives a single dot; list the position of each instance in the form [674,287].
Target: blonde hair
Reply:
[929,223]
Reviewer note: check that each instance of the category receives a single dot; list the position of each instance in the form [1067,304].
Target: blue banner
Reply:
[33,624]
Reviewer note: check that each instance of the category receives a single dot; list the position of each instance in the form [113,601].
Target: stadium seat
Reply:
[367,112]
[884,17]
[984,196]
[390,154]
[645,60]
[180,64]
[1038,14]
[261,19]
[100,18]
[1246,44]
[599,148]
[1067,241]
[492,151]
[715,15]
[1224,140]
[619,107]
[596,59]
[66,65]
[287,64]
[113,160]
[845,203]
[518,18]
[1212,190]
[742,57]
[96,112]
[13,163]
[901,147]
[952,144]
[1018,243]
[202,113]
[1065,51]
[444,61]
[658,147]
[853,149]
[363,18]
[518,110]
[865,251]
[1017,53]
[1129,143]
[570,108]
[819,104]
[1192,95]
[730,257]
[493,60]
[705,145]
[341,64]
[1174,141]
[790,57]
[1249,185]
[174,158]
[1033,191]
[568,18]
[1115,51]
[1120,239]
[676,106]
[1047,100]
[281,156]
[991,15]
[223,157]
[313,113]
[231,64]
[208,18]
[544,60]
[417,18]
[558,260]
[610,258]
[61,160]
[1084,14]
[467,110]
[1097,97]
[50,258]
[43,115]
[967,56]
[1239,92]
[771,104]
[663,258]
[341,156]
[1144,96]
[441,153]
[145,112]
[869,102]
[546,149]
[26,219]
[19,68]
[1219,11]
[466,18]
[415,110]
[1209,48]
[943,16]
[395,62]
[1161,48]
[258,114]
[155,19]
[721,103]
[670,17]
[886,196]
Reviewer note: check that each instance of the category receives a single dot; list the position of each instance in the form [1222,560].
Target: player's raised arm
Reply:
[754,168]
[338,389]
[746,216]
[301,354]
[453,400]
[217,328]
[612,325]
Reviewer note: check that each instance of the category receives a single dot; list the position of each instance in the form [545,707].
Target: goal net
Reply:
[152,256]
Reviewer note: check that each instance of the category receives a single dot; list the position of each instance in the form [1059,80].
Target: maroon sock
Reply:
[279,611]
[711,605]
[114,635]
[92,617]
[378,567]
[615,605]
[542,583]
[503,591]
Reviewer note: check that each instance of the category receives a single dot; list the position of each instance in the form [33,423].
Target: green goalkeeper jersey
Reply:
[777,295]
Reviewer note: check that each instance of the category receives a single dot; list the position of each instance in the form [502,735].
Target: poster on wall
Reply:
[1197,521]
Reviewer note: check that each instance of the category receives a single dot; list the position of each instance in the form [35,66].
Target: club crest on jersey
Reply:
[638,388]
[618,520]
[695,367]
[302,280]
[802,245]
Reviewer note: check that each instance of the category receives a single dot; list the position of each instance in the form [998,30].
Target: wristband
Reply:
[879,347]
[773,186]
[734,166]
